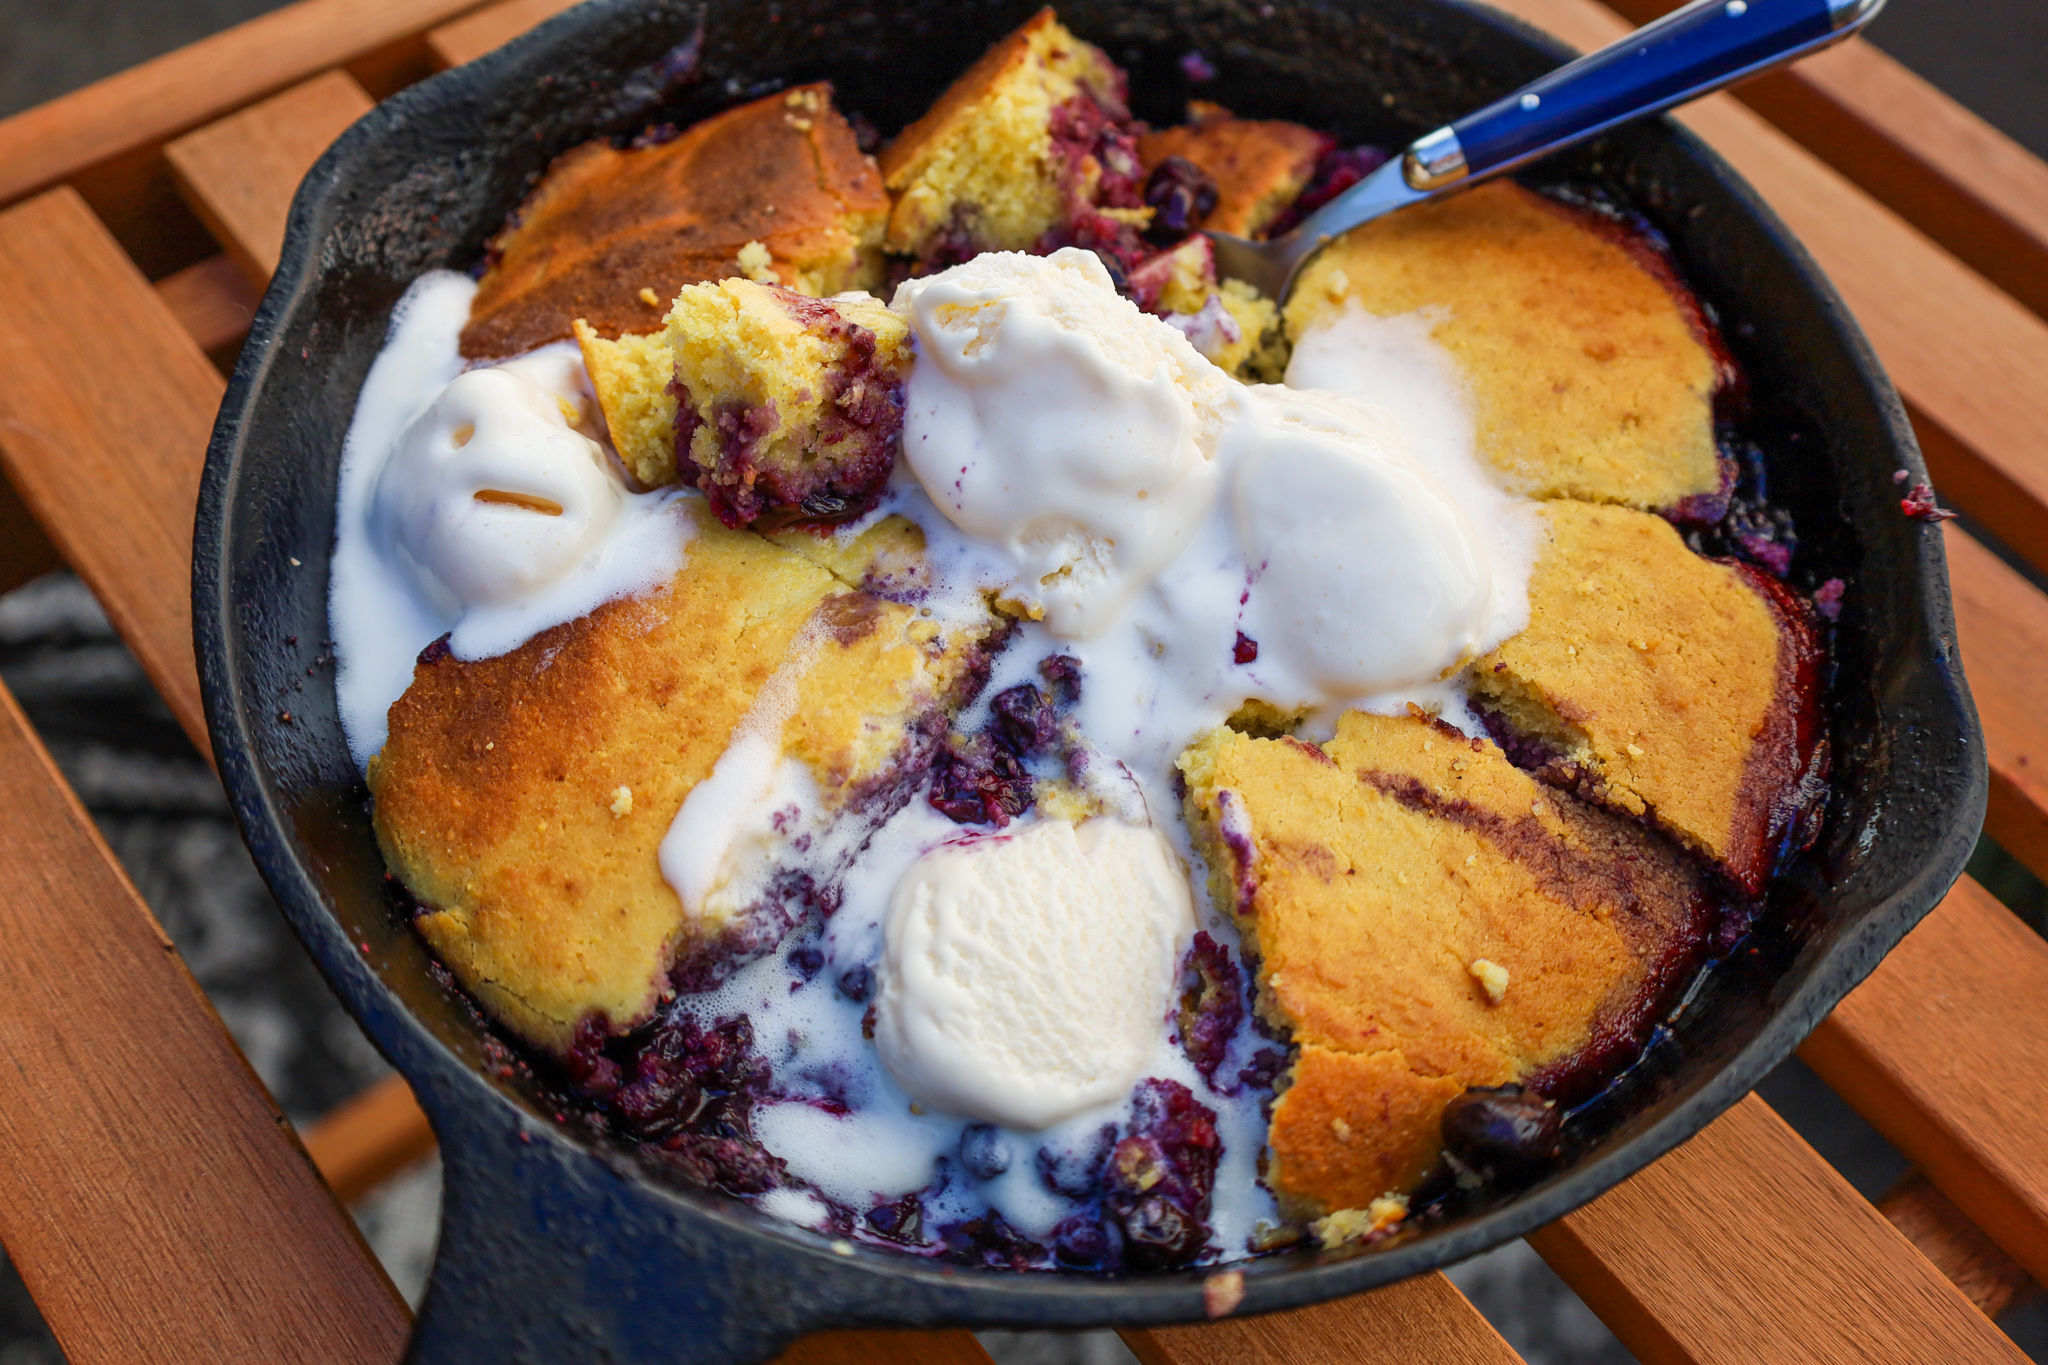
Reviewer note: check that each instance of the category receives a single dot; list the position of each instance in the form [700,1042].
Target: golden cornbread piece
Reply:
[982,158]
[1368,875]
[1588,377]
[523,798]
[788,402]
[631,376]
[606,231]
[1259,166]
[1664,682]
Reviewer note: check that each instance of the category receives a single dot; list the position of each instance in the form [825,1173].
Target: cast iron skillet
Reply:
[554,1251]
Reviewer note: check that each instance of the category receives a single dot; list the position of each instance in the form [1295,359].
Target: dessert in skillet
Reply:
[1068,766]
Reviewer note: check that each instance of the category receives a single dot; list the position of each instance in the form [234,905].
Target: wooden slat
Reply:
[489,29]
[147,105]
[239,173]
[1916,151]
[365,1141]
[1944,1052]
[1744,1246]
[214,301]
[1966,357]
[105,411]
[1423,1321]
[151,1195]
[883,1347]
[2002,627]
[1955,1246]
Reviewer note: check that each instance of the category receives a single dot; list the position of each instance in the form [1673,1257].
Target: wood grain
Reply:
[147,105]
[1423,1321]
[1966,357]
[1944,1052]
[1744,1246]
[886,1347]
[240,173]
[1971,188]
[215,302]
[489,29]
[2002,628]
[1955,1246]
[104,416]
[152,1196]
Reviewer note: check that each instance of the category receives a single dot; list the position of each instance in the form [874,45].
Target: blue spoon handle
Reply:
[1687,53]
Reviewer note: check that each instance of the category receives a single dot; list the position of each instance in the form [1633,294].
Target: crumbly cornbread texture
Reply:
[1260,166]
[770,399]
[1588,377]
[1663,683]
[1183,281]
[982,163]
[1368,875]
[497,794]
[606,226]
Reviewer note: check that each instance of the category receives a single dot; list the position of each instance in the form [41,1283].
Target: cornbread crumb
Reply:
[1492,978]
[652,299]
[757,265]
[1222,1292]
[1347,1226]
[622,802]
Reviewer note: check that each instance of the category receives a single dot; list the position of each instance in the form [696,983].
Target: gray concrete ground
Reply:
[164,816]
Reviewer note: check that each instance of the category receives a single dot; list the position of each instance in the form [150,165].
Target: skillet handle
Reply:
[547,1256]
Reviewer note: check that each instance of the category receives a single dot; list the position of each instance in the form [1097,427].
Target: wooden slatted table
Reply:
[182,1218]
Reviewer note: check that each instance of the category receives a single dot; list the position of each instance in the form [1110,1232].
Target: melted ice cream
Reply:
[1049,417]
[1025,976]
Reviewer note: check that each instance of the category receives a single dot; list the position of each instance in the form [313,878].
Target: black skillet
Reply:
[553,1250]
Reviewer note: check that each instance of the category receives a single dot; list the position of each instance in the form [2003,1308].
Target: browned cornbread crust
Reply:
[1588,377]
[1369,876]
[1661,679]
[1259,166]
[498,794]
[604,225]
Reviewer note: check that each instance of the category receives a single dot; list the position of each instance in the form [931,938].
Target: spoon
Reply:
[1688,53]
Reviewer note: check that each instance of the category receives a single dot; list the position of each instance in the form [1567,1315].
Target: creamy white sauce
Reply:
[416,556]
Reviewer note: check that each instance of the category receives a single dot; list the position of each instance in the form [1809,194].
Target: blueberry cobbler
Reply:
[1071,765]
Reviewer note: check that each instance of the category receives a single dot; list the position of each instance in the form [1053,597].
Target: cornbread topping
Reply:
[996,773]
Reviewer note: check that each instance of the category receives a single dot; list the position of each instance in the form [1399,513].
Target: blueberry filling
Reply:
[1211,1005]
[1500,1134]
[1180,195]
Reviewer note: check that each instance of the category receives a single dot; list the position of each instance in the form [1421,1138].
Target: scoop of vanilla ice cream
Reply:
[1368,575]
[1047,414]
[1026,977]
[491,495]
